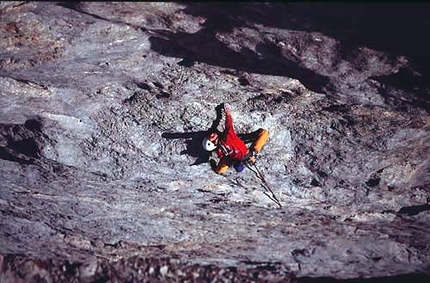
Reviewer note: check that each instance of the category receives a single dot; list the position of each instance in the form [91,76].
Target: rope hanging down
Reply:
[268,191]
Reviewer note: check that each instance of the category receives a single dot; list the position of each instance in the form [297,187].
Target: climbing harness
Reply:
[225,149]
[268,191]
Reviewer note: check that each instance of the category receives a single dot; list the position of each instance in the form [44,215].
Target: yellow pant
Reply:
[259,139]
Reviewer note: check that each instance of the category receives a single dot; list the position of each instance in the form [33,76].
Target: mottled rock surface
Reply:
[103,107]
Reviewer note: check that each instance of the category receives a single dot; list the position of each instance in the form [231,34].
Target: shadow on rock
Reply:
[204,46]
[20,143]
[195,47]
[415,209]
[407,81]
[194,139]
[400,31]
[397,28]
[194,145]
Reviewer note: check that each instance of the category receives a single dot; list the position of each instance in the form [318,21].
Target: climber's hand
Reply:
[253,156]
[227,109]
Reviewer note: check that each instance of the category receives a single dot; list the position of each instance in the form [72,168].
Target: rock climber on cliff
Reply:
[230,148]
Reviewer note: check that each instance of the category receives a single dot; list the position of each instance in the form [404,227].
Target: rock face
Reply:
[104,105]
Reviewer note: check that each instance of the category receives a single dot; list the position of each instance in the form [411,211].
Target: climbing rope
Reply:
[268,191]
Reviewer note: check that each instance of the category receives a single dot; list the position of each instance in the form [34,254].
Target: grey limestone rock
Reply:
[103,106]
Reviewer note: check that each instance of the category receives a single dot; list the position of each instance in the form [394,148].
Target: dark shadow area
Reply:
[6,154]
[203,46]
[193,140]
[21,145]
[28,147]
[414,209]
[394,28]
[410,83]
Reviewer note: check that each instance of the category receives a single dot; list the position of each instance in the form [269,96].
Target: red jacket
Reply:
[230,144]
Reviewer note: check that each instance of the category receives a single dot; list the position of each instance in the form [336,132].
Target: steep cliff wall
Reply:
[103,107]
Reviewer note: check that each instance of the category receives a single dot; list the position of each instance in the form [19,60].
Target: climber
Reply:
[231,149]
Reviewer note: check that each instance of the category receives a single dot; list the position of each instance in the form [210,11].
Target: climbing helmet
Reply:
[209,142]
